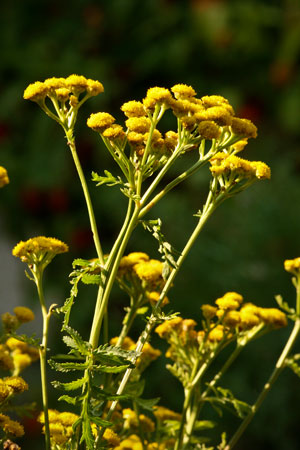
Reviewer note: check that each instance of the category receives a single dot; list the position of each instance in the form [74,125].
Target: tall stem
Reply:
[267,387]
[71,143]
[43,355]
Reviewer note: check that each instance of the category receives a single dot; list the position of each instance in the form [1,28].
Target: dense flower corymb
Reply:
[37,249]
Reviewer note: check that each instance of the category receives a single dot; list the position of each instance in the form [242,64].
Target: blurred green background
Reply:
[247,51]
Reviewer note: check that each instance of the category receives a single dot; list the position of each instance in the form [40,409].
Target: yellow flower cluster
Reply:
[11,426]
[20,354]
[231,165]
[292,265]
[133,442]
[60,425]
[139,270]
[131,421]
[36,249]
[10,386]
[62,88]
[233,314]
[3,177]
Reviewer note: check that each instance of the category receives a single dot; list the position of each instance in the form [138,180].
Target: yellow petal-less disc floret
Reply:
[150,271]
[113,132]
[11,426]
[209,129]
[94,87]
[292,265]
[218,114]
[133,109]
[76,83]
[183,91]
[161,413]
[24,314]
[273,317]
[157,95]
[17,384]
[36,92]
[3,177]
[100,121]
[243,127]
[208,311]
[138,124]
[35,249]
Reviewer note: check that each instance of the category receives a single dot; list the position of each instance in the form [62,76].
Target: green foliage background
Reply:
[247,51]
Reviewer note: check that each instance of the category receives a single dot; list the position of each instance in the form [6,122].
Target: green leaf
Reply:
[81,262]
[135,388]
[76,342]
[110,354]
[71,386]
[87,435]
[110,369]
[68,399]
[225,398]
[100,422]
[142,310]
[108,179]
[67,366]
[284,305]
[89,278]
[102,394]
[204,425]
[146,403]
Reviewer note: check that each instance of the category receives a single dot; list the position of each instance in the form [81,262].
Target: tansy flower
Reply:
[6,361]
[138,124]
[171,140]
[149,271]
[216,334]
[17,384]
[292,265]
[100,121]
[208,311]
[209,129]
[231,319]
[5,391]
[11,426]
[24,314]
[183,91]
[114,132]
[218,114]
[231,300]
[15,344]
[168,326]
[10,322]
[36,92]
[111,437]
[3,177]
[39,250]
[76,83]
[127,262]
[157,95]
[133,109]
[154,297]
[273,317]
[94,87]
[243,127]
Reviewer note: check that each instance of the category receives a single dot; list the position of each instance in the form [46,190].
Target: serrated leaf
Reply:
[77,342]
[87,435]
[67,366]
[89,278]
[110,369]
[102,394]
[113,355]
[100,422]
[147,403]
[68,399]
[81,262]
[71,386]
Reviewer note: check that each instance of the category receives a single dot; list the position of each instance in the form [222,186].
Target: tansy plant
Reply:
[107,410]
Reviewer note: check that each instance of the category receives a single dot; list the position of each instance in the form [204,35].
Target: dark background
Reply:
[247,51]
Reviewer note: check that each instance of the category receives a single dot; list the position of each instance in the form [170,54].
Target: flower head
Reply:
[3,177]
[100,121]
[133,109]
[24,314]
[292,265]
[183,91]
[39,250]
[36,92]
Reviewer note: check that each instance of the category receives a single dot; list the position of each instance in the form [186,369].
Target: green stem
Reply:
[103,300]
[267,387]
[71,143]
[43,354]
[207,211]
